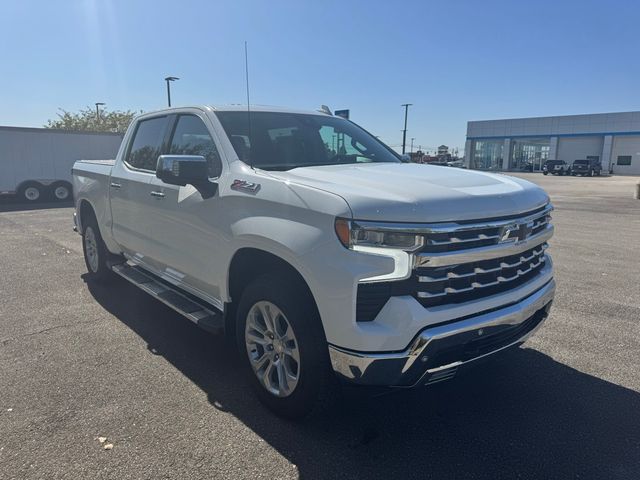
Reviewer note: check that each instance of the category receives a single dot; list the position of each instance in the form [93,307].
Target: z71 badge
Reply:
[244,186]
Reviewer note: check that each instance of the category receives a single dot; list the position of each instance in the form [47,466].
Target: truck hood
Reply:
[401,192]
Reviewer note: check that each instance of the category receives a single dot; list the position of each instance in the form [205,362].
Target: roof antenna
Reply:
[246,70]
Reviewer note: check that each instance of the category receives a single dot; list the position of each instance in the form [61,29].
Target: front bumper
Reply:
[438,351]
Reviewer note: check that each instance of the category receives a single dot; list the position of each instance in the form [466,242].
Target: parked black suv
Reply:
[589,167]
[556,167]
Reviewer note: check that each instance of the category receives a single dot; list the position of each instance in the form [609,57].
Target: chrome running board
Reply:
[202,314]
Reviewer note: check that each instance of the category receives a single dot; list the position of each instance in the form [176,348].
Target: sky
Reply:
[454,60]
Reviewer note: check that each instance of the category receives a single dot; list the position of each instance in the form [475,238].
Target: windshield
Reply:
[282,141]
[555,162]
[581,162]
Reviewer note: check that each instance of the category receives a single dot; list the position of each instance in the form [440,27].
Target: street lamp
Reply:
[169,79]
[412,139]
[98,104]
[404,132]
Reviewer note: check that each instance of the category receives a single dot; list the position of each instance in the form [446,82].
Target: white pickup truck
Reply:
[308,240]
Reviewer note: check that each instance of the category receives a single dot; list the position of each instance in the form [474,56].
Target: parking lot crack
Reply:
[6,341]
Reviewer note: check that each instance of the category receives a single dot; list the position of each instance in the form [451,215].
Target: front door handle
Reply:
[115,185]
[155,193]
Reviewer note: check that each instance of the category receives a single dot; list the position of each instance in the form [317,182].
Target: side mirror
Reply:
[186,170]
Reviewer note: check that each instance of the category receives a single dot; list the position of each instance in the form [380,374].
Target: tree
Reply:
[115,121]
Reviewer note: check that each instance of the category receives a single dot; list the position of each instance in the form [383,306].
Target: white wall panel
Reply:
[626,145]
[576,148]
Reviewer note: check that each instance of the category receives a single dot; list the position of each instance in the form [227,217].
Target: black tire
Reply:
[316,382]
[31,191]
[61,191]
[545,173]
[93,245]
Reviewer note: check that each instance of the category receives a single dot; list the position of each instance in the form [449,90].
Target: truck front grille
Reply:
[451,238]
[469,281]
[463,262]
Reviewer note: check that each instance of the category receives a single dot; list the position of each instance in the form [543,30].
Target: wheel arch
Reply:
[85,210]
[26,183]
[249,263]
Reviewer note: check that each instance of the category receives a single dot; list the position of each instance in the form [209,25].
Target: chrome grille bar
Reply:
[457,240]
[450,275]
[483,253]
[450,228]
[478,285]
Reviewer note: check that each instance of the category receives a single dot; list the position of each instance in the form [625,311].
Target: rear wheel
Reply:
[31,191]
[282,346]
[95,251]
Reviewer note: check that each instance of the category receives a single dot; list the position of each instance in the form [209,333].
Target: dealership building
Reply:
[521,144]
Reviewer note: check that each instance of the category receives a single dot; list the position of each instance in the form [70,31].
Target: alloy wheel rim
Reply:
[91,248]
[272,348]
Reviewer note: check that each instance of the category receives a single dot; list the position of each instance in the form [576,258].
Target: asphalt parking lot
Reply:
[80,361]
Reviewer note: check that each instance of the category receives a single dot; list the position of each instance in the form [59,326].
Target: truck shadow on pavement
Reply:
[11,204]
[526,416]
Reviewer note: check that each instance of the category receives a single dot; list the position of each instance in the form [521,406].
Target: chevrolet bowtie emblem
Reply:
[516,232]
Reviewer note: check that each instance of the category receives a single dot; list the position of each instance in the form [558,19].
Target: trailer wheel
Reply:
[61,191]
[31,191]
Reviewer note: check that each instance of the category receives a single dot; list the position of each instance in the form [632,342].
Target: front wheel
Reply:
[283,346]
[545,173]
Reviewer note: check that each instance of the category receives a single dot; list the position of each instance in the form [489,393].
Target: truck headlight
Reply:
[380,241]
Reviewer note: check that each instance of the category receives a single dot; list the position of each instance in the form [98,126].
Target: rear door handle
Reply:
[115,185]
[155,193]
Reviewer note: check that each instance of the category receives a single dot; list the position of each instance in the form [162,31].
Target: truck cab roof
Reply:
[234,108]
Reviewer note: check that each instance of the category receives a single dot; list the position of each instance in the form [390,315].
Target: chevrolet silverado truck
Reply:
[309,242]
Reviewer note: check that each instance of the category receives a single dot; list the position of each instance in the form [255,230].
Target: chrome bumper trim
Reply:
[421,359]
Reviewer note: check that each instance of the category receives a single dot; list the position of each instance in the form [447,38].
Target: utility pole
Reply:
[98,111]
[404,132]
[169,79]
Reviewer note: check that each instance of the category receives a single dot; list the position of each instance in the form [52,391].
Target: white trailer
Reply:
[36,162]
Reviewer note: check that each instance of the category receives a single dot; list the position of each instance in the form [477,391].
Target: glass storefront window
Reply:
[487,154]
[529,154]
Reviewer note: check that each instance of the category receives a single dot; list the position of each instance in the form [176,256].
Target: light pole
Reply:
[98,104]
[168,80]
[412,139]
[404,132]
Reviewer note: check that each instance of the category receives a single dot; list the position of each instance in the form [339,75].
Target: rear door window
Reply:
[146,146]
[191,137]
